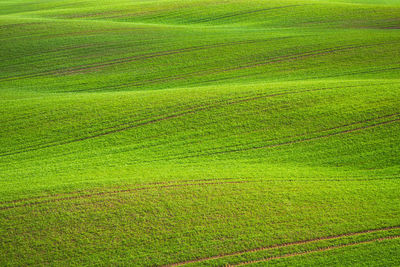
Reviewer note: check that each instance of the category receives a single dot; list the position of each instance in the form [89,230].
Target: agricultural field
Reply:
[200,132]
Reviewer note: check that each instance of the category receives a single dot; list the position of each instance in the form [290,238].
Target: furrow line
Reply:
[177,183]
[203,73]
[242,13]
[282,144]
[115,188]
[190,111]
[133,58]
[316,250]
[189,49]
[119,192]
[293,136]
[96,66]
[357,72]
[172,116]
[302,242]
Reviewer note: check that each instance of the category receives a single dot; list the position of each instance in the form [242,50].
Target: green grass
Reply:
[199,132]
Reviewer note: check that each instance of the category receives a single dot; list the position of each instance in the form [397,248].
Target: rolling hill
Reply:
[200,132]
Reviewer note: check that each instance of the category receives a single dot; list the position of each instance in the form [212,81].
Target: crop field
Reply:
[199,132]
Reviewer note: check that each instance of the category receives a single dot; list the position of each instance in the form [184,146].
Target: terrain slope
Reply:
[201,132]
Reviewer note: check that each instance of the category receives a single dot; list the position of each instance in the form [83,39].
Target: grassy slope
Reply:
[154,132]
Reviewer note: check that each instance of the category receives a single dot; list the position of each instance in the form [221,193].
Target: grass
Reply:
[199,132]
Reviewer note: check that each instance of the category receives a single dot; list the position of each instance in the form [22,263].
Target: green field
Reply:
[199,132]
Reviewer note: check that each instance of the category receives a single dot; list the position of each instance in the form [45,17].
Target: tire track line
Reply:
[214,103]
[41,35]
[171,116]
[112,14]
[182,183]
[293,136]
[122,191]
[284,245]
[283,143]
[236,14]
[317,250]
[274,60]
[116,188]
[177,182]
[357,72]
[304,55]
[38,57]
[190,111]
[97,65]
[203,73]
[147,112]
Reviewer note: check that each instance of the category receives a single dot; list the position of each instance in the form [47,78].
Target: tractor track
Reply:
[80,68]
[237,14]
[283,143]
[317,250]
[273,60]
[302,242]
[170,116]
[85,196]
[255,64]
[43,199]
[115,188]
[218,149]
